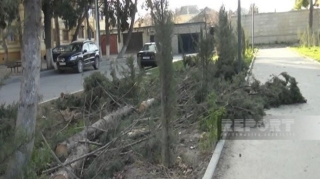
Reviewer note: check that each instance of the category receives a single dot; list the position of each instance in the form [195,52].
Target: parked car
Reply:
[79,54]
[147,55]
[57,51]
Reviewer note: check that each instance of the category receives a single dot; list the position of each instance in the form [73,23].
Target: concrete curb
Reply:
[219,147]
[251,65]
[49,100]
[304,56]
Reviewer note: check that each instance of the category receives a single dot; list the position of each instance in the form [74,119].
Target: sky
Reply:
[263,5]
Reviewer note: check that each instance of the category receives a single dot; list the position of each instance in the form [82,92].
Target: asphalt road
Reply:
[292,158]
[52,83]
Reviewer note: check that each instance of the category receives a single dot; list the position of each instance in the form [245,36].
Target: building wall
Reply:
[14,47]
[277,27]
[186,28]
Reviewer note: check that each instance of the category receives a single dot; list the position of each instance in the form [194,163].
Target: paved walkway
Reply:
[278,159]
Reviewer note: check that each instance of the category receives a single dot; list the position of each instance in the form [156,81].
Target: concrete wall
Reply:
[282,27]
[186,28]
[14,47]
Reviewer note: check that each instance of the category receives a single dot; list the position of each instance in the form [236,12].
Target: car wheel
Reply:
[80,66]
[96,64]
[60,71]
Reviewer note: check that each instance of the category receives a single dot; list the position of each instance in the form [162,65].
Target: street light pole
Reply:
[97,27]
[252,36]
[239,36]
[97,22]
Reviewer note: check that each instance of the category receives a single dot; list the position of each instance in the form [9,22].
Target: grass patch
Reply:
[247,57]
[312,52]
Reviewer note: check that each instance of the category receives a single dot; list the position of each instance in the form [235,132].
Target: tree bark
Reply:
[80,20]
[77,150]
[57,27]
[125,45]
[47,12]
[107,26]
[91,132]
[27,110]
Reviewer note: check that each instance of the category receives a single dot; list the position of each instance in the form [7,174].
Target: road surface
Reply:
[53,83]
[283,159]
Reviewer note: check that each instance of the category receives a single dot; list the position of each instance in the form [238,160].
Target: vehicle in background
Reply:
[57,51]
[79,54]
[147,55]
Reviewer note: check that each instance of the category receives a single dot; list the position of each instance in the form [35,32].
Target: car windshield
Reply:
[59,49]
[76,47]
[149,47]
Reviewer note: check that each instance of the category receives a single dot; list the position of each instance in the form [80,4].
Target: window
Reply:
[54,35]
[65,35]
[81,32]
[91,33]
[43,33]
[149,47]
[11,37]
[75,47]
[101,15]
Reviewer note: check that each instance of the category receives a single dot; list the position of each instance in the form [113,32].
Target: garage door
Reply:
[189,43]
[113,44]
[135,43]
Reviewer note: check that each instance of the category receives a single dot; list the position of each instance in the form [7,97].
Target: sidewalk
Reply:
[279,159]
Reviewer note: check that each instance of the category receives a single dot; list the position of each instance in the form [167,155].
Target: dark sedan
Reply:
[147,55]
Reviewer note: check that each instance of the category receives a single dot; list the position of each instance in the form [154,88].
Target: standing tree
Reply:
[307,3]
[48,14]
[110,20]
[132,11]
[162,18]
[226,47]
[8,13]
[27,110]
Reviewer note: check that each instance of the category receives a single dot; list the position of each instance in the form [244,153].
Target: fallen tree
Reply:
[77,149]
[91,132]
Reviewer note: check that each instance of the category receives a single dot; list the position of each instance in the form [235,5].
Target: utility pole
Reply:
[239,36]
[252,36]
[97,27]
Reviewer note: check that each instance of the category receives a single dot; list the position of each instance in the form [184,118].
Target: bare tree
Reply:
[164,30]
[27,110]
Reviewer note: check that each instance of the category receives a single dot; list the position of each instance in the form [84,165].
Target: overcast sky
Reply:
[263,5]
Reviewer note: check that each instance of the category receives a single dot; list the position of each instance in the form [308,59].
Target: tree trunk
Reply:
[47,12]
[5,45]
[20,34]
[125,45]
[311,15]
[27,110]
[107,26]
[80,20]
[57,27]
[88,25]
[118,21]
[91,132]
[164,31]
